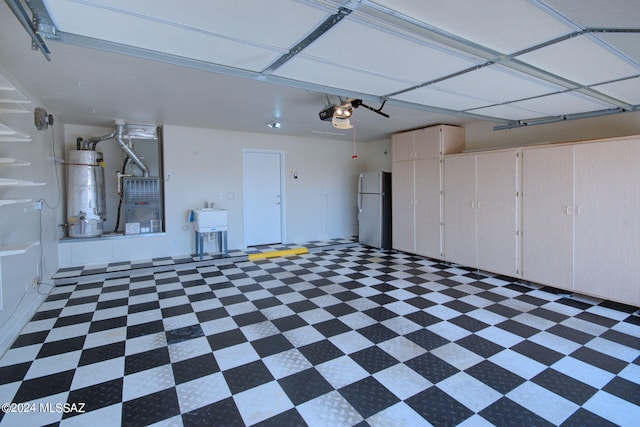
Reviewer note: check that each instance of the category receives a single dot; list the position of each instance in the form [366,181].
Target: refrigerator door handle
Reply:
[360,193]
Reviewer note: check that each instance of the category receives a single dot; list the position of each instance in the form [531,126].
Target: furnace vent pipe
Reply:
[94,141]
[119,132]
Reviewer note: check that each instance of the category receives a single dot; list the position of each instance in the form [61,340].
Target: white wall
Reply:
[480,135]
[22,222]
[376,155]
[206,165]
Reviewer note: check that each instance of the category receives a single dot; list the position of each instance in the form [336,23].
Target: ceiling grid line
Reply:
[325,26]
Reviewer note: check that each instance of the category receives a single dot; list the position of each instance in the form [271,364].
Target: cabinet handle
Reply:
[473,205]
[568,210]
[579,210]
[479,206]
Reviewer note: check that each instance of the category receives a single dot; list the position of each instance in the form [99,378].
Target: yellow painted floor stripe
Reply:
[285,252]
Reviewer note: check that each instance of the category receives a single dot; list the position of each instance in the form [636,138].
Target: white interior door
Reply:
[262,173]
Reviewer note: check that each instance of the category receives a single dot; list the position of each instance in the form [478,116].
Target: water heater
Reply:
[86,210]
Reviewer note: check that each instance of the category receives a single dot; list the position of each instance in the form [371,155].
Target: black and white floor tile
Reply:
[113,269]
[340,337]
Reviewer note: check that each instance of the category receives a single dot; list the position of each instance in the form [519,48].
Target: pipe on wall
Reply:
[119,132]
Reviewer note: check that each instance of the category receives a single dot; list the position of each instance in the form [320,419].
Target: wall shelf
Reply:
[9,182]
[5,202]
[23,183]
[9,162]
[6,182]
[11,107]
[14,136]
[13,101]
[16,248]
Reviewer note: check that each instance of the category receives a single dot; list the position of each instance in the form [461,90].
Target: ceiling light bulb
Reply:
[274,125]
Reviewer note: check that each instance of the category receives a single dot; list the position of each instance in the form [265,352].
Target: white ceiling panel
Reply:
[334,76]
[157,36]
[508,112]
[241,20]
[497,84]
[600,13]
[626,90]
[562,103]
[359,46]
[506,26]
[435,97]
[581,60]
[628,44]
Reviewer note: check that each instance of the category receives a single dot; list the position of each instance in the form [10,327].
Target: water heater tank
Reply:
[86,211]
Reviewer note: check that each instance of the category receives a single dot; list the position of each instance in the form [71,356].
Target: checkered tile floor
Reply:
[338,337]
[71,274]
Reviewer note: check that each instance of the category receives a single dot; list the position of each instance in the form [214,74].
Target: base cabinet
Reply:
[607,224]
[547,216]
[579,218]
[481,211]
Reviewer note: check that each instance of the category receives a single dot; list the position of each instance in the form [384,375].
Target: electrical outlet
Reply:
[38,205]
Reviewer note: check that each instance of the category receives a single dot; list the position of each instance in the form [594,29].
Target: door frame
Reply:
[283,222]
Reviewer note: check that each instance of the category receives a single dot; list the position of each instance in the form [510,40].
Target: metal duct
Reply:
[119,138]
[94,141]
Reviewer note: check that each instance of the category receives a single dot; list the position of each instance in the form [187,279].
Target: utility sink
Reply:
[209,220]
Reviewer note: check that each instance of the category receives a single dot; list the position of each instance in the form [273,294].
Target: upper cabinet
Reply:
[427,143]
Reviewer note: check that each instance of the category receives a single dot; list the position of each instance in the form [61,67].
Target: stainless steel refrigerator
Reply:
[374,209]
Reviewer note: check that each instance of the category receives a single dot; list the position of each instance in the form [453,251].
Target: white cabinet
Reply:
[402,206]
[607,223]
[416,177]
[579,218]
[481,211]
[547,216]
[460,209]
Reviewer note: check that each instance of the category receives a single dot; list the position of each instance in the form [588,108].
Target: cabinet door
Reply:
[460,210]
[402,146]
[452,139]
[607,224]
[427,142]
[427,207]
[402,208]
[497,185]
[547,216]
